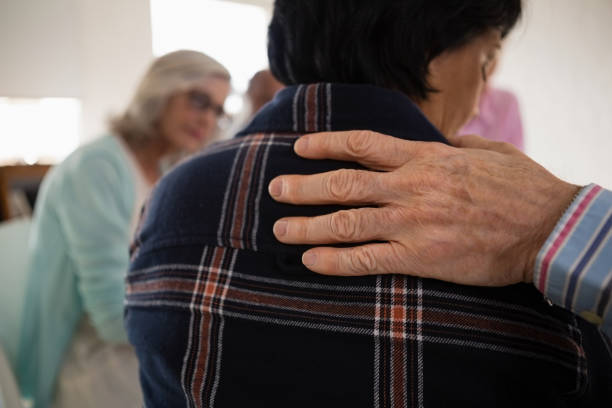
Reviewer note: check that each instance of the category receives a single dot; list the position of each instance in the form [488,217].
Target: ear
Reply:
[436,65]
[435,69]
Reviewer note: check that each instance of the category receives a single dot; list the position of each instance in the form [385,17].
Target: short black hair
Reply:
[388,43]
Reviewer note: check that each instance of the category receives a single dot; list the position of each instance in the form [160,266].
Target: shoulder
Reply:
[209,172]
[104,152]
[502,98]
[220,197]
[100,159]
[190,202]
[97,169]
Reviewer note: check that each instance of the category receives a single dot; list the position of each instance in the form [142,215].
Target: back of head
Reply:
[388,43]
[167,75]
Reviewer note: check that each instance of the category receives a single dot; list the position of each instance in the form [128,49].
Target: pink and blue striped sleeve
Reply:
[574,267]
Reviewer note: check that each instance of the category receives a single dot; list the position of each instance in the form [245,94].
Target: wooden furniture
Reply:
[24,179]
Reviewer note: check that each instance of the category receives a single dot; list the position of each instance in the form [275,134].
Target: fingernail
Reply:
[309,259]
[276,187]
[280,228]
[301,145]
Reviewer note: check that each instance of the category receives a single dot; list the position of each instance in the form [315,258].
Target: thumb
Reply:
[477,142]
[471,142]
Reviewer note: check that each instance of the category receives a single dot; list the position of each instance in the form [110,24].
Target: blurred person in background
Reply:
[73,348]
[498,116]
[262,88]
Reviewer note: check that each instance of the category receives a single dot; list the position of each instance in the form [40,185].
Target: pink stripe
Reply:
[564,234]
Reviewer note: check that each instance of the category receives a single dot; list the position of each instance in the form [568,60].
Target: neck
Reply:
[431,110]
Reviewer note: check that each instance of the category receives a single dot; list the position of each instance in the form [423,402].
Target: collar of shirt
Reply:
[335,107]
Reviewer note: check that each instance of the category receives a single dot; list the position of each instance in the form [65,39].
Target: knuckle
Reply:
[362,261]
[343,225]
[342,184]
[387,220]
[290,188]
[299,230]
[419,184]
[359,143]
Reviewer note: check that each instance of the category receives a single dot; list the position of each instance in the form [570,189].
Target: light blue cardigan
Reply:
[79,256]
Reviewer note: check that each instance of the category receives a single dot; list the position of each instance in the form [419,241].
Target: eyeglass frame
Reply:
[202,101]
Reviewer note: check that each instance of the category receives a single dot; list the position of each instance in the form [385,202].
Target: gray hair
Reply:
[171,73]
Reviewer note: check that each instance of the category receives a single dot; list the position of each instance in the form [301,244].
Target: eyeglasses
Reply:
[202,101]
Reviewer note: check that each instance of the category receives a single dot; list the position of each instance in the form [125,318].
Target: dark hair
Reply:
[388,43]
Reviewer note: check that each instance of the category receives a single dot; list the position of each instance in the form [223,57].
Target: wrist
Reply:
[562,197]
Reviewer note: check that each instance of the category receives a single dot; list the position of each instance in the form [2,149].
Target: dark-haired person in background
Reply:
[262,88]
[222,314]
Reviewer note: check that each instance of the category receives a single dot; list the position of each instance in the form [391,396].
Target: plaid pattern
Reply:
[238,227]
[200,373]
[312,108]
[384,341]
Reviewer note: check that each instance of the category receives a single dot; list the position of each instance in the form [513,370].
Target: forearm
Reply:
[95,215]
[103,302]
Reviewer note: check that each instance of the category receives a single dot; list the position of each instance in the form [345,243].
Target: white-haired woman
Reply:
[73,349]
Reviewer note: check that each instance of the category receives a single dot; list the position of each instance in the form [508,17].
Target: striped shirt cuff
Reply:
[574,267]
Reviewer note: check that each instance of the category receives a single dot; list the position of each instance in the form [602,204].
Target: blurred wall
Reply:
[39,48]
[115,52]
[90,49]
[559,62]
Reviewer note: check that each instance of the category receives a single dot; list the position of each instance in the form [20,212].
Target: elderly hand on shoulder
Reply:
[476,214]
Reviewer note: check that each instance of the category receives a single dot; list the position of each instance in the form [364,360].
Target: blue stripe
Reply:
[571,250]
[604,300]
[571,290]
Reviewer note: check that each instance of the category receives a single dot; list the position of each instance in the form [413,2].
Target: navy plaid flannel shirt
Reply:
[223,315]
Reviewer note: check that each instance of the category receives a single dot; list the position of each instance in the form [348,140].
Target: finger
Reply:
[370,259]
[471,141]
[370,149]
[477,142]
[344,187]
[355,225]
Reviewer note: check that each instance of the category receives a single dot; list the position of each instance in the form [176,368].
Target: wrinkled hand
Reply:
[473,214]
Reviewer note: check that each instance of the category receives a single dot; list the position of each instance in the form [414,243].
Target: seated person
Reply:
[73,348]
[222,314]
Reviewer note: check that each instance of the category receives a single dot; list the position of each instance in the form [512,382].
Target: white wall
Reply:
[268,5]
[89,49]
[115,50]
[38,49]
[559,63]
